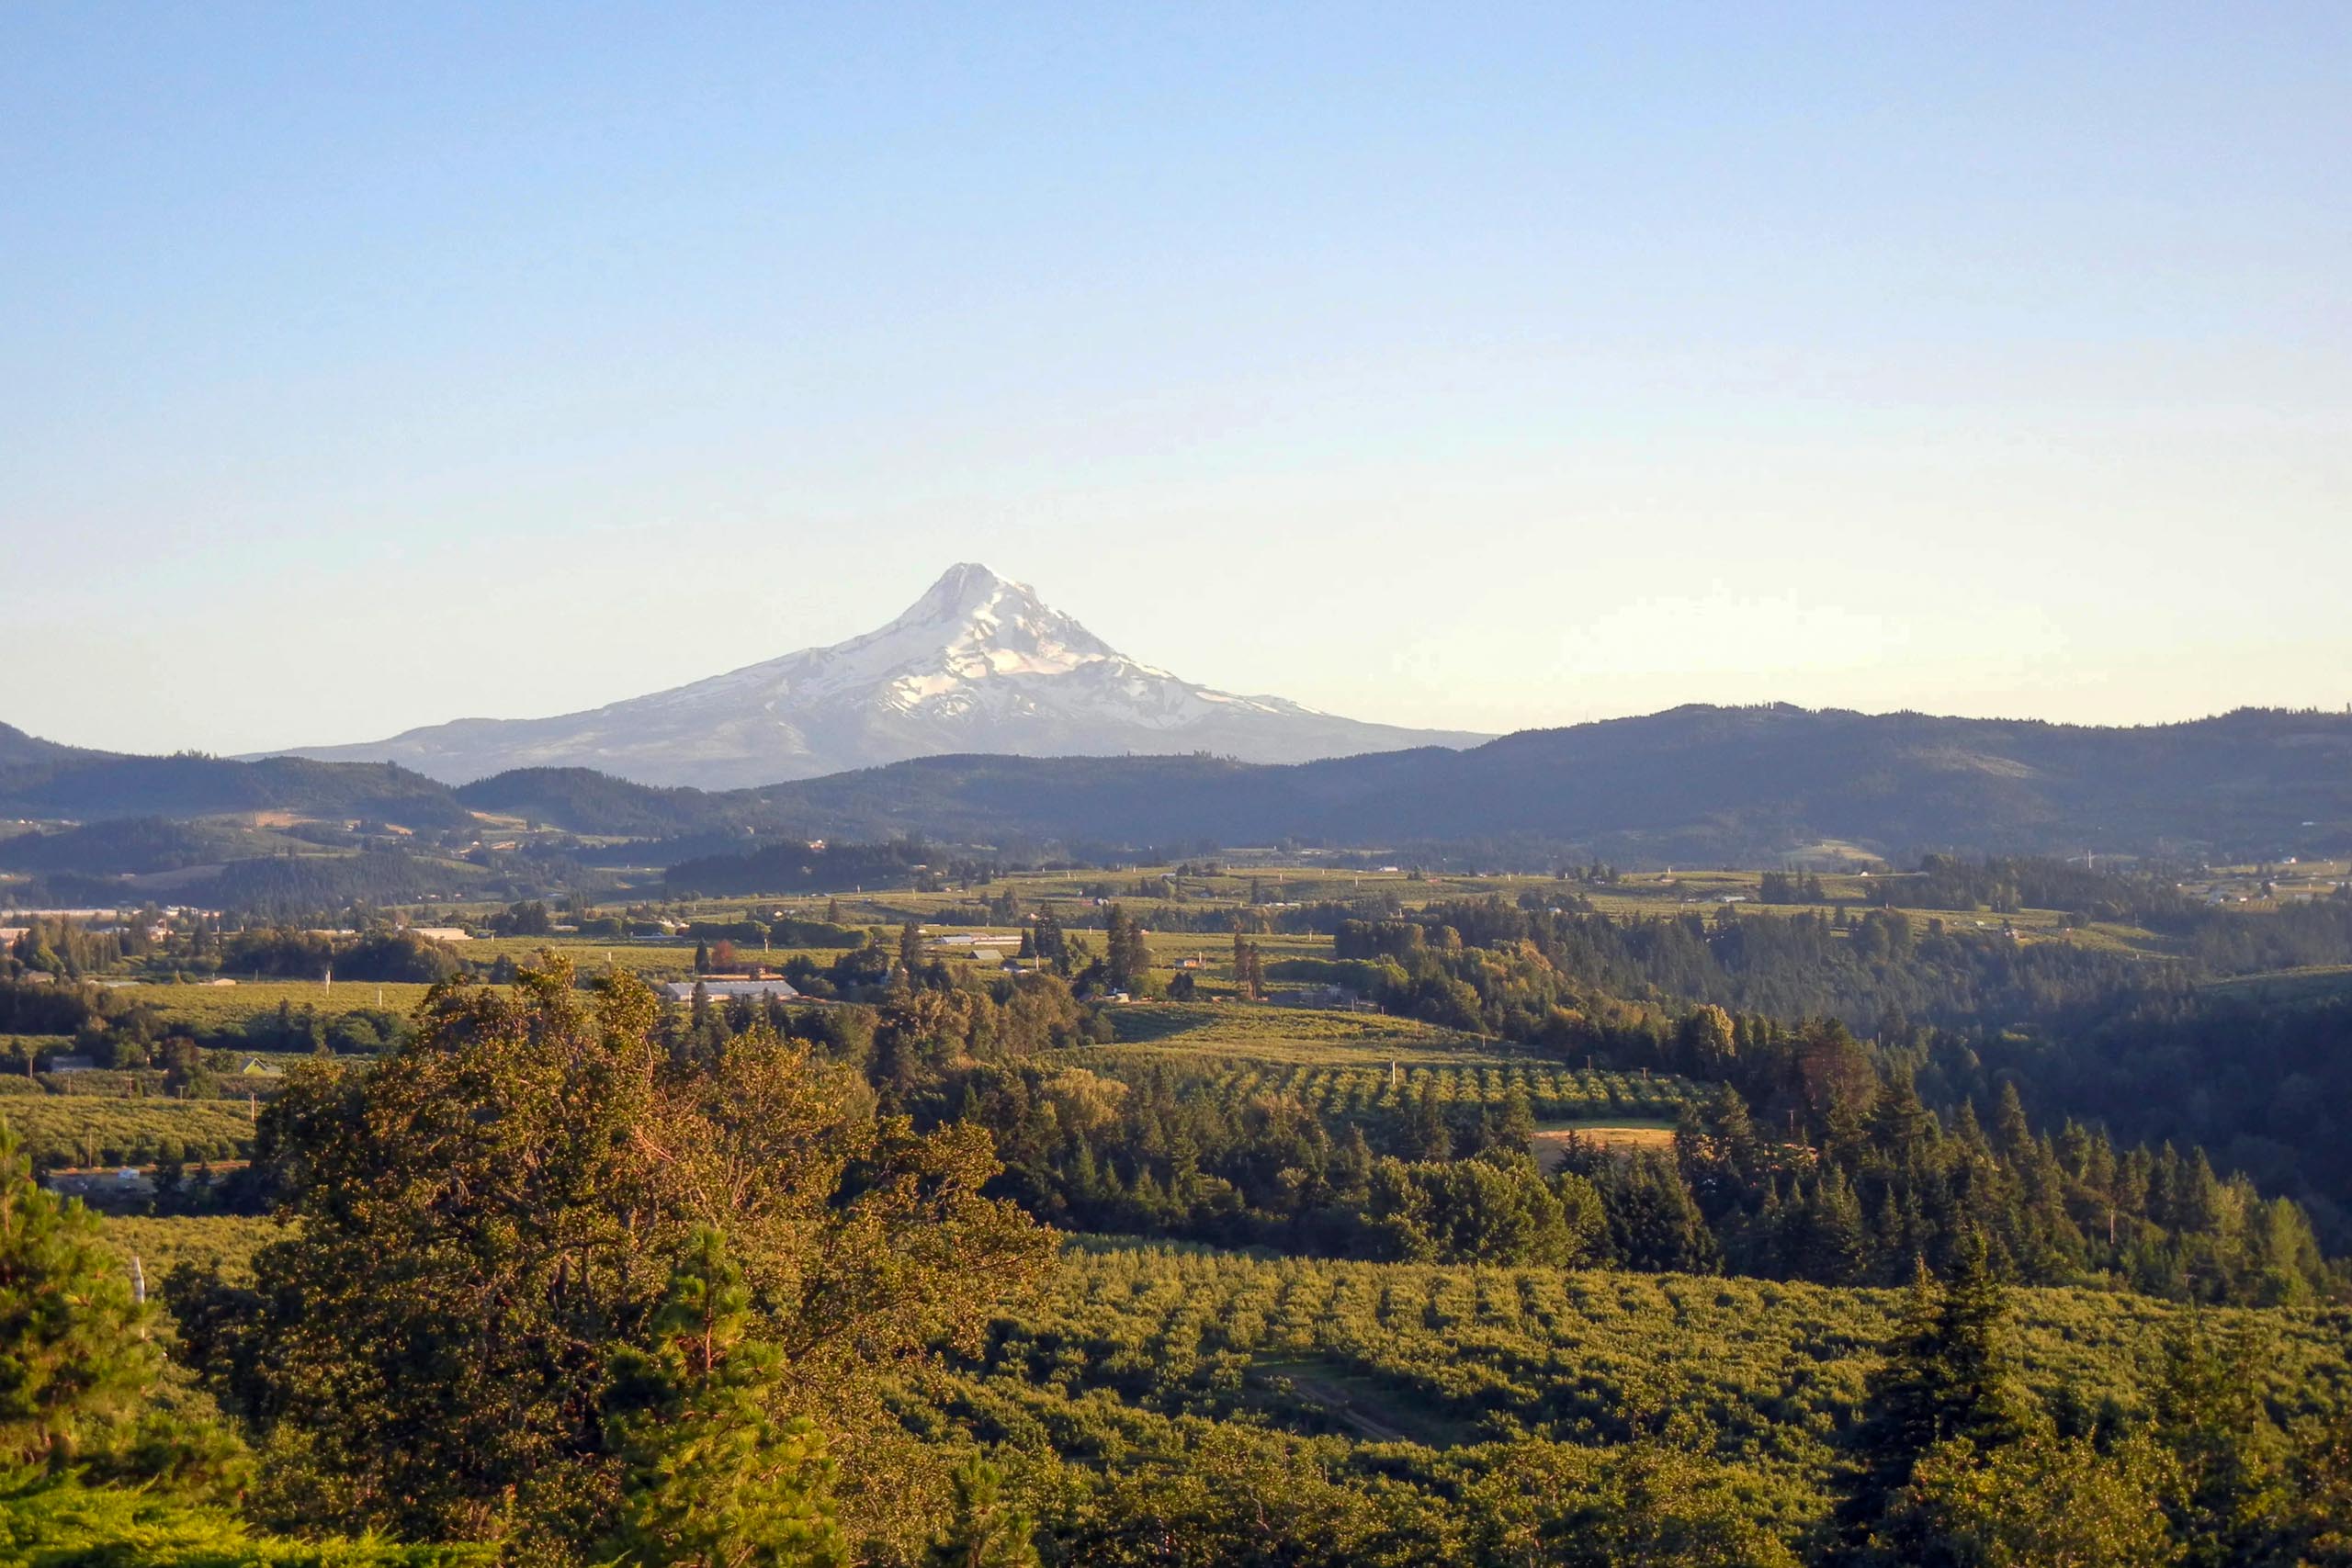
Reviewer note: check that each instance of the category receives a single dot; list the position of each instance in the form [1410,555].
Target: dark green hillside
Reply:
[1691,784]
[191,785]
[18,749]
[1123,799]
[130,846]
[585,801]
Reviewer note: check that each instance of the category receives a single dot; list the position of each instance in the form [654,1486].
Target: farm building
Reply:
[684,991]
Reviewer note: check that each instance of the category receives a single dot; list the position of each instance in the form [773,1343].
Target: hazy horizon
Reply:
[1477,370]
[293,746]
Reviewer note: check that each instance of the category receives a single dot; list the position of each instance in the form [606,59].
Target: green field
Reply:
[1408,1367]
[218,1007]
[2286,987]
[1268,1033]
[84,1130]
[587,953]
[159,1245]
[1411,1367]
[1501,1352]
[1333,1088]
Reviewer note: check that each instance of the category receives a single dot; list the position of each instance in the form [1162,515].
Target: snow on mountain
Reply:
[977,664]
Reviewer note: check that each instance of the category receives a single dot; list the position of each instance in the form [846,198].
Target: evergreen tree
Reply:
[1127,955]
[75,1355]
[1427,1135]
[714,1478]
[983,1531]
[1832,1239]
[1516,1132]
[2230,1456]
[1946,1378]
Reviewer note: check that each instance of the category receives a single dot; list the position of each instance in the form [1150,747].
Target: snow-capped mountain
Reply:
[977,664]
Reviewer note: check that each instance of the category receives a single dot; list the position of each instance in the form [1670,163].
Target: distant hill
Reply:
[1690,785]
[977,664]
[584,801]
[90,785]
[130,846]
[18,749]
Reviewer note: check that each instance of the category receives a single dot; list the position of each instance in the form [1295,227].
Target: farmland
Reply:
[85,1130]
[1399,1376]
[1468,1354]
[1287,1034]
[1335,1089]
[213,1007]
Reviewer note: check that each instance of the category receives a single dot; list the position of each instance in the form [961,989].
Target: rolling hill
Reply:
[1692,785]
[1689,784]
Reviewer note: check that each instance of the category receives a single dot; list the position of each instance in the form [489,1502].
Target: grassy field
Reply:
[589,954]
[1551,1137]
[2292,985]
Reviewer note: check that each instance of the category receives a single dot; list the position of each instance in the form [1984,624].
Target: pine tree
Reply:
[1833,1238]
[1127,955]
[1249,968]
[714,1477]
[1517,1130]
[2229,1454]
[1947,1377]
[2010,1134]
[985,1531]
[1427,1134]
[75,1355]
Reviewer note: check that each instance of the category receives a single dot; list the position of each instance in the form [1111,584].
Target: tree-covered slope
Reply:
[1694,784]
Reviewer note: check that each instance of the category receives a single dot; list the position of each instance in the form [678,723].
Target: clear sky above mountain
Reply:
[1445,366]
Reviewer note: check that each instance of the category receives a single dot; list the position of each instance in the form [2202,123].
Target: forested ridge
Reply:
[1691,783]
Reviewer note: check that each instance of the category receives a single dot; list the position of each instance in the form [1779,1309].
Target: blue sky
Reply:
[1483,367]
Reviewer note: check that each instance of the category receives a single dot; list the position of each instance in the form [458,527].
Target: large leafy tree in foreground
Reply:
[489,1231]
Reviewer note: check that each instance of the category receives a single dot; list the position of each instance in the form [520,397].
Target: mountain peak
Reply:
[975,624]
[961,589]
[977,663]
